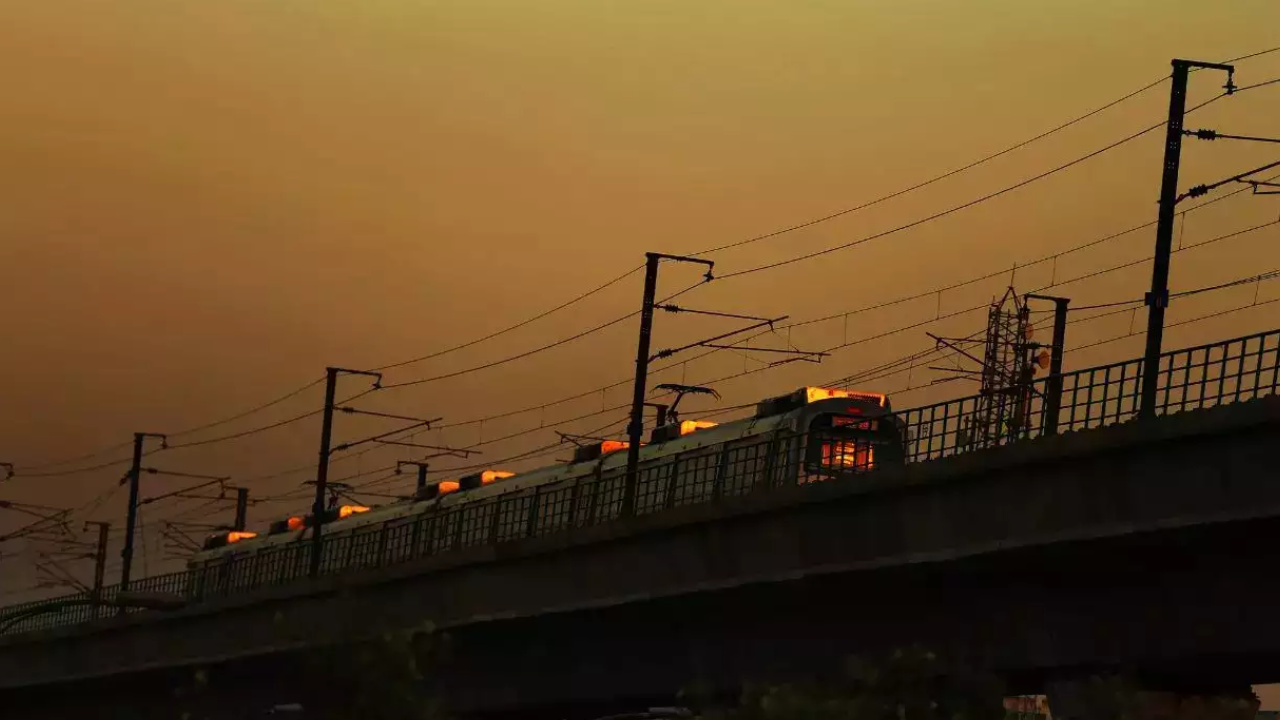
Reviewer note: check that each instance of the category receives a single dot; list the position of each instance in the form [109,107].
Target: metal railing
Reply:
[1199,377]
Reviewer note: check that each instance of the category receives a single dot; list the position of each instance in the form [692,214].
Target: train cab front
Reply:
[844,431]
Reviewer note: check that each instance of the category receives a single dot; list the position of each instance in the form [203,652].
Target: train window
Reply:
[847,454]
[845,443]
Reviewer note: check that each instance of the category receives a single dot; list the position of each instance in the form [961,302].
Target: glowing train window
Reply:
[848,454]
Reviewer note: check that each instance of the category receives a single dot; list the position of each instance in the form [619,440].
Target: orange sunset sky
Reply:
[203,204]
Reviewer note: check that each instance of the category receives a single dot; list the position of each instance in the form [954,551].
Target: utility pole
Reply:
[242,509]
[322,471]
[635,430]
[100,561]
[1158,297]
[131,522]
[1053,387]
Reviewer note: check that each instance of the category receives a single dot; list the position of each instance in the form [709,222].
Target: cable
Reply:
[885,334]
[252,411]
[619,278]
[92,506]
[866,308]
[1261,277]
[808,256]
[919,358]
[896,330]
[335,460]
[980,307]
[265,428]
[957,208]
[944,176]
[534,351]
[209,502]
[1210,316]
[1258,85]
[69,461]
[526,455]
[614,281]
[911,361]
[743,272]
[544,406]
[518,325]
[970,166]
[792,228]
[188,431]
[308,386]
[75,471]
[805,224]
[1250,56]
[1118,303]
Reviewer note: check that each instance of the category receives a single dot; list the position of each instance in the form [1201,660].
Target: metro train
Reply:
[808,435]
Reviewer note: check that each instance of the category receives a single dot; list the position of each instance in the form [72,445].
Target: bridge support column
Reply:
[1114,699]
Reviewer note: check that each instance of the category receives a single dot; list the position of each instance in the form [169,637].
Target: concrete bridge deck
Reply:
[1145,544]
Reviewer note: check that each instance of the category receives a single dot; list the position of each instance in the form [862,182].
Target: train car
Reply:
[231,561]
[810,435]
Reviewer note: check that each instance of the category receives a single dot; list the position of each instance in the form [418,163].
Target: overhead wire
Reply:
[856,342]
[534,351]
[896,330]
[971,165]
[1028,181]
[923,358]
[251,411]
[957,208]
[516,326]
[792,228]
[619,278]
[819,253]
[919,358]
[188,431]
[846,313]
[898,366]
[1179,323]
[938,178]
[268,427]
[614,281]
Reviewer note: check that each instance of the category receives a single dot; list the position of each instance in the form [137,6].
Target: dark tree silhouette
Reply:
[910,685]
